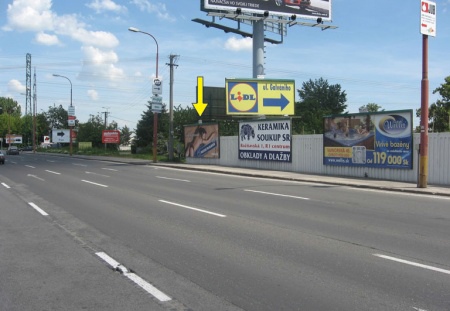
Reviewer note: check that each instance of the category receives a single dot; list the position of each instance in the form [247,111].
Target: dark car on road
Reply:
[2,157]
[12,150]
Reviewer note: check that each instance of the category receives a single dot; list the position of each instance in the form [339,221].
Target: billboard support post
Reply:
[423,160]
[258,49]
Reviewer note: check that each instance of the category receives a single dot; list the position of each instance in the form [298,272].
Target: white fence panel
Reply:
[307,157]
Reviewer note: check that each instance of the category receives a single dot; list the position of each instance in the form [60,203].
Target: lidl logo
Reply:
[243,97]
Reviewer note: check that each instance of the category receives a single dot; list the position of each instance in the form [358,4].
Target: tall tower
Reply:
[28,85]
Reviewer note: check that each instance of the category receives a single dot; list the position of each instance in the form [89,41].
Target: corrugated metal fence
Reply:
[307,157]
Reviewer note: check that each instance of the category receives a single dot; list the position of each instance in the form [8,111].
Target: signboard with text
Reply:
[61,136]
[265,140]
[110,137]
[260,96]
[301,8]
[428,18]
[380,139]
[202,141]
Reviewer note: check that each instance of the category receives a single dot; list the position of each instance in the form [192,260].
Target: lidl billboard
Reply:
[260,96]
[311,9]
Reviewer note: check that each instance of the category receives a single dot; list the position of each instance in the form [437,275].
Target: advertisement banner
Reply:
[380,139]
[110,137]
[265,140]
[309,9]
[202,141]
[13,139]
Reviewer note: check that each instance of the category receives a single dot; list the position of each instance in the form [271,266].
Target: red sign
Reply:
[111,137]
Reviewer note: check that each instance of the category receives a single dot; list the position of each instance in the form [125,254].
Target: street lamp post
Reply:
[155,114]
[55,75]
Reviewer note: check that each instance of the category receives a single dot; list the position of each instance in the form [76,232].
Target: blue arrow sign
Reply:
[281,102]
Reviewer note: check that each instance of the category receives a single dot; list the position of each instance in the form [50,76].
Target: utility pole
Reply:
[173,59]
[106,119]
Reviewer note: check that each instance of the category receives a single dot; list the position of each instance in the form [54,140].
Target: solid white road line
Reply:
[193,208]
[184,180]
[277,194]
[109,169]
[94,183]
[411,263]
[6,186]
[149,288]
[56,173]
[37,208]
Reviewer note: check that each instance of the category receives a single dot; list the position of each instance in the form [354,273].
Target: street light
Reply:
[55,75]
[155,114]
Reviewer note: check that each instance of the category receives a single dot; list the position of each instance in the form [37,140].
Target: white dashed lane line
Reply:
[37,208]
[412,263]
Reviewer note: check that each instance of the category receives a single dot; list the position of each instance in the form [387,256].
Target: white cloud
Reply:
[30,15]
[159,9]
[235,44]
[47,39]
[106,5]
[93,94]
[16,86]
[100,64]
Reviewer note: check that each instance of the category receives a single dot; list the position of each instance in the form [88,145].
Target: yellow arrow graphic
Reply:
[200,106]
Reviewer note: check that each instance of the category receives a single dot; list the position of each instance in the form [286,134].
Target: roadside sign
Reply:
[71,121]
[257,96]
[110,137]
[156,107]
[71,111]
[157,86]
[60,136]
[428,18]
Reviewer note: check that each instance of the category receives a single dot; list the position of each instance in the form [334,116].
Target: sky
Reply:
[374,54]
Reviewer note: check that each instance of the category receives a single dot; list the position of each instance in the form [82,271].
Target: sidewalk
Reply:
[294,176]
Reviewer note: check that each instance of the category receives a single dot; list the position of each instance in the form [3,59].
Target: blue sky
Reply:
[375,54]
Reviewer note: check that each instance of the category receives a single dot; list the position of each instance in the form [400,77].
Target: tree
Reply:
[144,128]
[91,131]
[57,117]
[439,112]
[318,98]
[125,136]
[10,117]
[371,107]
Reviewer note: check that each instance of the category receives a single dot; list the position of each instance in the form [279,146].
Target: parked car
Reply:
[12,150]
[27,148]
[2,157]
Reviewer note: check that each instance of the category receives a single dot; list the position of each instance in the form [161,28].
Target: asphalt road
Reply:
[206,241]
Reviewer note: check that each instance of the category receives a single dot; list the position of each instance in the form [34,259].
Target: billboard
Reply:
[379,139]
[110,137]
[202,141]
[13,139]
[260,96]
[310,9]
[265,140]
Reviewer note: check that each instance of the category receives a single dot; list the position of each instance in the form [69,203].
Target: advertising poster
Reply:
[381,139]
[110,137]
[202,141]
[302,8]
[265,140]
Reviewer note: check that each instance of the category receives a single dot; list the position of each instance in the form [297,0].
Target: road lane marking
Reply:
[6,186]
[109,169]
[149,288]
[29,166]
[56,173]
[411,263]
[184,180]
[94,183]
[277,194]
[34,176]
[92,173]
[37,208]
[193,208]
[51,161]
[77,164]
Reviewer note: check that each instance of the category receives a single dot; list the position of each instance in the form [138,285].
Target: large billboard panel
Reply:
[380,139]
[265,140]
[202,141]
[260,96]
[310,9]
